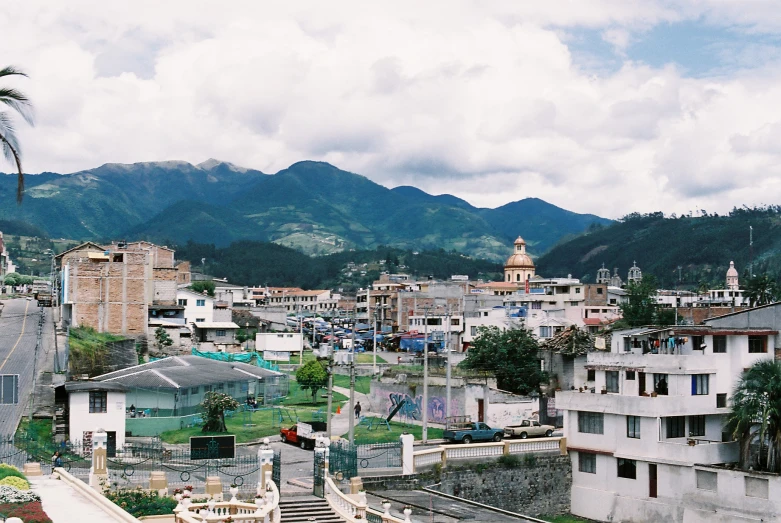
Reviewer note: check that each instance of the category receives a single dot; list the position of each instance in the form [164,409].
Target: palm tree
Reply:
[20,104]
[761,290]
[755,419]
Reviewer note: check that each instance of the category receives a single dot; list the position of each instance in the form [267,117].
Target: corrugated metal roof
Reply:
[215,325]
[185,371]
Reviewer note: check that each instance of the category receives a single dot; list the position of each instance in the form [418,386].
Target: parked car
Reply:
[473,432]
[527,428]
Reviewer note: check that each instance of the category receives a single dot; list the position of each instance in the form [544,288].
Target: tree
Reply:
[640,307]
[312,376]
[755,418]
[214,405]
[200,286]
[20,104]
[511,355]
[163,339]
[761,290]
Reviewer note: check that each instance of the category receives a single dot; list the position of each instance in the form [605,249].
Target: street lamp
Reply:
[425,374]
[246,333]
[374,369]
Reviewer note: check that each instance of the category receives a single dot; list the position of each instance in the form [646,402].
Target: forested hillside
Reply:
[261,263]
[702,246]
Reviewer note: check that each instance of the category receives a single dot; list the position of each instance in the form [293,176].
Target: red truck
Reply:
[304,434]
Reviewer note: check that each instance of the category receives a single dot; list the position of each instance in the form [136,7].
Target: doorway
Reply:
[641,383]
[652,480]
[480,411]
[111,444]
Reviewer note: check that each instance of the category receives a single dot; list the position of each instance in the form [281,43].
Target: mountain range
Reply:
[311,206]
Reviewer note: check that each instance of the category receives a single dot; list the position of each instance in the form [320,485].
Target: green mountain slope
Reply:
[701,246]
[311,206]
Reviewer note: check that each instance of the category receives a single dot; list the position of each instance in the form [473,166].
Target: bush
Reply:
[31,512]
[510,461]
[10,471]
[142,503]
[14,495]
[16,482]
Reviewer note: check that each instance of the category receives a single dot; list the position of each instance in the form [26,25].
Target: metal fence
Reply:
[132,464]
[379,455]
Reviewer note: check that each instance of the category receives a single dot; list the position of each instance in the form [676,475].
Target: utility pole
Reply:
[35,360]
[751,250]
[447,370]
[351,434]
[374,368]
[425,374]
[330,381]
[301,333]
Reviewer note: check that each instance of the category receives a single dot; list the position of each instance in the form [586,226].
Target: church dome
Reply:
[732,271]
[519,259]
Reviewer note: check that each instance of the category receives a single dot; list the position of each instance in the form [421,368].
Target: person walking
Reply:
[358,410]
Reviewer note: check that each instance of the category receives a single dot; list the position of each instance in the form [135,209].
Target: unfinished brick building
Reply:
[111,288]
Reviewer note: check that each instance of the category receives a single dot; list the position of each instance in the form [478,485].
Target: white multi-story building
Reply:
[646,434]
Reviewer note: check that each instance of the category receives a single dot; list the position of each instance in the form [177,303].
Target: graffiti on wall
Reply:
[413,407]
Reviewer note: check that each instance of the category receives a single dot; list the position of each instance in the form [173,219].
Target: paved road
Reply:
[18,333]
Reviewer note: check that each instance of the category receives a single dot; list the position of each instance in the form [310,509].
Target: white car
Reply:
[529,427]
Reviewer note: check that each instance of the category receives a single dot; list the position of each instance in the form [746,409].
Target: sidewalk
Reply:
[340,423]
[65,505]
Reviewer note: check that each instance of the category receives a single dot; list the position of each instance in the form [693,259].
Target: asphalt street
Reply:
[18,333]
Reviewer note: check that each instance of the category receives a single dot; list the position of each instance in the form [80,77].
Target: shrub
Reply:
[13,495]
[10,470]
[13,481]
[31,512]
[142,503]
[510,461]
[530,460]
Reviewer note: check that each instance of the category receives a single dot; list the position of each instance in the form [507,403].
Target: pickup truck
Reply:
[528,428]
[304,434]
[473,432]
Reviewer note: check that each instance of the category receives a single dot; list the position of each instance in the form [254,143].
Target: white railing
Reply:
[264,510]
[355,510]
[442,454]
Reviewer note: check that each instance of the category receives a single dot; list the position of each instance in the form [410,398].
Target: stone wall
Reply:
[539,485]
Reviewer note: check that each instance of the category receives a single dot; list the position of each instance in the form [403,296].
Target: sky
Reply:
[597,106]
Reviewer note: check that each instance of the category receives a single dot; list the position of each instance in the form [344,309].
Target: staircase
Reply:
[307,510]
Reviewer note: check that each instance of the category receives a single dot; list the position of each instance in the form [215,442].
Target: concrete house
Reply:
[647,435]
[93,405]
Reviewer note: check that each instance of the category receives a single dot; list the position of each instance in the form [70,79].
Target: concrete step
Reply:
[307,510]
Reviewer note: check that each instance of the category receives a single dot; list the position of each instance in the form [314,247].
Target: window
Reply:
[244,387]
[200,303]
[611,380]
[182,302]
[719,344]
[455,321]
[221,332]
[676,427]
[195,390]
[544,332]
[591,375]
[757,344]
[696,426]
[756,487]
[630,375]
[231,387]
[207,388]
[721,401]
[599,290]
[698,342]
[473,330]
[577,290]
[706,480]
[627,468]
[185,392]
[587,462]
[660,384]
[220,387]
[200,320]
[536,305]
[591,422]
[633,427]
[700,384]
[98,401]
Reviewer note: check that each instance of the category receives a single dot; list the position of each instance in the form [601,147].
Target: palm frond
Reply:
[10,70]
[17,101]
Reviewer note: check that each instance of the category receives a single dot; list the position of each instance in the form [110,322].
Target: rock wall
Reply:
[535,487]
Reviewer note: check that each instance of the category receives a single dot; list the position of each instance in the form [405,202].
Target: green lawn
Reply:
[361,382]
[380,434]
[566,518]
[298,397]
[368,357]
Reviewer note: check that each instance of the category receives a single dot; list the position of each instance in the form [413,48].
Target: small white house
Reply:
[279,346]
[93,405]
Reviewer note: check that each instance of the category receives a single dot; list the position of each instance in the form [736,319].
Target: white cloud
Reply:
[487,103]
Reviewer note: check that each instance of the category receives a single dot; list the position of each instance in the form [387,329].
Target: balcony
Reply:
[659,406]
[658,363]
[681,452]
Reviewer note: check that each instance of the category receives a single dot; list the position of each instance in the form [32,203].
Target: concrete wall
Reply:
[81,420]
[538,486]
[192,310]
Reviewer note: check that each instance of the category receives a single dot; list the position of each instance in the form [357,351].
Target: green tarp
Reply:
[253,358]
